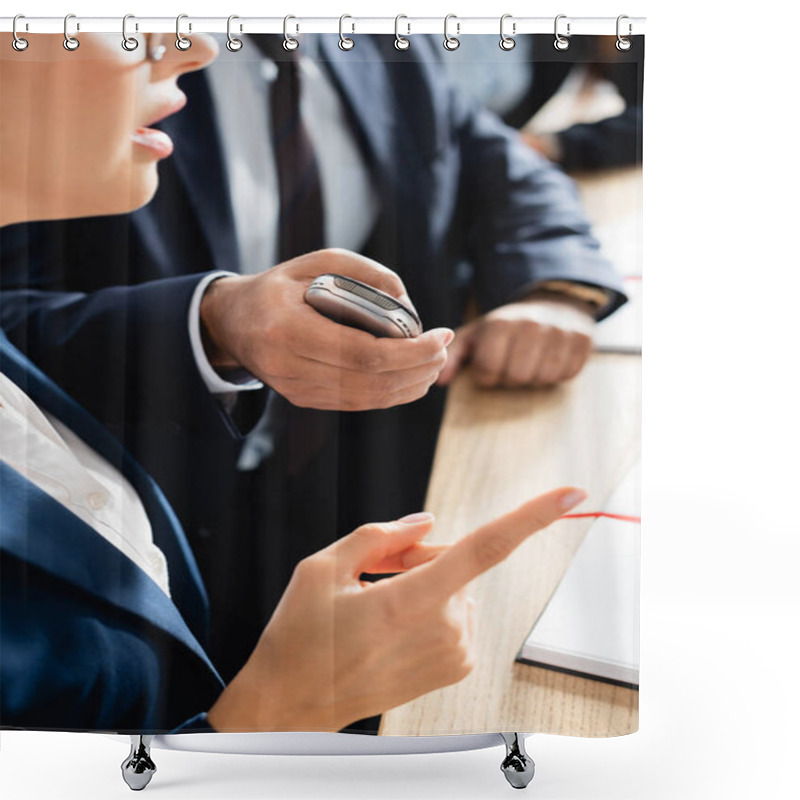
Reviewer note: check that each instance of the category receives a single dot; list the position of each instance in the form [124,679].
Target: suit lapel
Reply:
[185,582]
[362,81]
[38,530]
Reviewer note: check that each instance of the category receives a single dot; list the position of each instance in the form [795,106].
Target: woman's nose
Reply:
[202,52]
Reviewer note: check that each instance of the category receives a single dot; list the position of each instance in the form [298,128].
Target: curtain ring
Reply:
[561,42]
[70,42]
[400,42]
[345,42]
[181,42]
[451,42]
[289,43]
[19,44]
[129,43]
[506,42]
[623,44]
[233,44]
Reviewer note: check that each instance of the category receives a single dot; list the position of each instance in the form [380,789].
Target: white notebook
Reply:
[590,626]
[622,331]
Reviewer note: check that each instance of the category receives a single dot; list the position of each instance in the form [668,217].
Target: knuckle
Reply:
[490,551]
[499,325]
[481,361]
[537,520]
[387,401]
[275,333]
[556,338]
[465,664]
[484,363]
[402,398]
[390,279]
[384,396]
[306,568]
[393,281]
[276,363]
[369,360]
[484,377]
[517,375]
[368,533]
[383,385]
[452,636]
[460,662]
[350,404]
[396,612]
[548,336]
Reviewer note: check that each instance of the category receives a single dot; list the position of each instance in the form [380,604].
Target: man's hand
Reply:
[263,324]
[338,649]
[535,342]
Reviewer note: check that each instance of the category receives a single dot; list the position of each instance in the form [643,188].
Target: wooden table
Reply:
[498,448]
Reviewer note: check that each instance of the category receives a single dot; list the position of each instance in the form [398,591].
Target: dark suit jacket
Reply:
[101,305]
[87,640]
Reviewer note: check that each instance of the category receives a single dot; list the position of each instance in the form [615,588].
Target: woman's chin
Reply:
[133,193]
[128,192]
[144,186]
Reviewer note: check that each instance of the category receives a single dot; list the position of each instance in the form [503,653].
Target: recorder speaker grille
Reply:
[367,294]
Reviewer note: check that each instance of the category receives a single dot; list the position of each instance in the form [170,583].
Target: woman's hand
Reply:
[338,649]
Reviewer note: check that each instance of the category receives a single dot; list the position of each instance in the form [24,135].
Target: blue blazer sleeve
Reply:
[524,218]
[122,352]
[519,221]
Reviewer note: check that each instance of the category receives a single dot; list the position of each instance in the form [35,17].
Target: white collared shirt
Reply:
[240,86]
[240,81]
[51,456]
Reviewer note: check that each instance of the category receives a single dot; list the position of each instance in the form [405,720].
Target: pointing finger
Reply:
[487,546]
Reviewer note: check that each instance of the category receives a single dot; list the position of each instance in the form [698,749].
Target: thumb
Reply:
[457,353]
[377,541]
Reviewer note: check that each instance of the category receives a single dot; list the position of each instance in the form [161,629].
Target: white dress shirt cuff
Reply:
[212,379]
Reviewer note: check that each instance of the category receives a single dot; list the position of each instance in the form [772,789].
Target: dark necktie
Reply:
[301,227]
[301,230]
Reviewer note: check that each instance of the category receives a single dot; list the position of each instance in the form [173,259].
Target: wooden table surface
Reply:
[498,448]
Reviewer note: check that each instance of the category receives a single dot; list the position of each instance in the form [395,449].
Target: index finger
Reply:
[487,546]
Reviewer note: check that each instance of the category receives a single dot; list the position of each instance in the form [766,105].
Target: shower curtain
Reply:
[188,446]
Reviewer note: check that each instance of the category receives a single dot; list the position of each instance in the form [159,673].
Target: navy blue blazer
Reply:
[101,304]
[87,640]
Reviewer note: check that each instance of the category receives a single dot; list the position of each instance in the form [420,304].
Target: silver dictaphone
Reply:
[350,302]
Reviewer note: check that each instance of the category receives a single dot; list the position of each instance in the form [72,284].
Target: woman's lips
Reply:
[156,141]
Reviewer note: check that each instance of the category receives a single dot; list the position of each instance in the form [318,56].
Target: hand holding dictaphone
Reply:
[358,305]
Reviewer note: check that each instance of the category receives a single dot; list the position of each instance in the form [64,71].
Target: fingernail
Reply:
[413,519]
[571,499]
[443,335]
